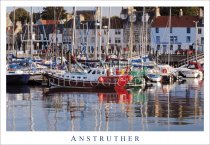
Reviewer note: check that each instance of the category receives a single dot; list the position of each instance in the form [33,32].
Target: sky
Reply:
[115,11]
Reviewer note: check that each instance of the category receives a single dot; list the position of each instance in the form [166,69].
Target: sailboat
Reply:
[16,76]
[14,73]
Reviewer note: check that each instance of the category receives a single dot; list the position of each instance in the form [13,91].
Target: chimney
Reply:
[180,13]
[201,14]
[157,12]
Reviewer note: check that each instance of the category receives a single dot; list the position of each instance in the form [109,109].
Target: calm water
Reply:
[176,107]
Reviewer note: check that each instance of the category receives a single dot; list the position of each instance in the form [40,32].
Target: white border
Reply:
[199,137]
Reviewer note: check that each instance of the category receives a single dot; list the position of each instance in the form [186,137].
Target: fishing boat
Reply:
[16,76]
[94,78]
[191,70]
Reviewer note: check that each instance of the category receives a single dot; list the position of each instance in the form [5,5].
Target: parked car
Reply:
[185,51]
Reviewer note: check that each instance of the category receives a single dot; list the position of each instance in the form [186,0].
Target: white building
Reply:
[181,34]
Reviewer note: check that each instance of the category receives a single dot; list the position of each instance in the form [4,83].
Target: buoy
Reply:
[130,78]
[101,79]
[164,70]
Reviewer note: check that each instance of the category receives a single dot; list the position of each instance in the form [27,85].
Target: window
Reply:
[202,40]
[157,39]
[188,30]
[158,47]
[98,72]
[117,40]
[84,77]
[171,30]
[173,39]
[89,71]
[164,48]
[94,72]
[117,32]
[157,30]
[110,40]
[179,46]
[199,30]
[188,39]
[79,77]
[171,47]
[191,66]
[72,77]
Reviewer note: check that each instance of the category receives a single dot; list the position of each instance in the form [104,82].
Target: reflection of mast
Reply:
[31,115]
[100,117]
[13,117]
[107,109]
[169,110]
[196,105]
[142,116]
[96,119]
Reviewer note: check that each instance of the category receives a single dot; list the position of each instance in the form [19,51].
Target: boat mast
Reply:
[100,36]
[169,43]
[31,32]
[96,27]
[13,36]
[73,40]
[130,12]
[143,38]
[109,22]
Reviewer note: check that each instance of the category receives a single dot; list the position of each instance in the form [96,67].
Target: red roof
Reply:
[47,22]
[176,21]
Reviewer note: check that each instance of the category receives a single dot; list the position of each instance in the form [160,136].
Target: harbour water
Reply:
[174,107]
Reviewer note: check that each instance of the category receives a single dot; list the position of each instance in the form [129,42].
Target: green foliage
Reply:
[20,15]
[116,22]
[36,16]
[53,13]
[190,11]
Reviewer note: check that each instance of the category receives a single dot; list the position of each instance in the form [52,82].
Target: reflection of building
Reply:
[182,32]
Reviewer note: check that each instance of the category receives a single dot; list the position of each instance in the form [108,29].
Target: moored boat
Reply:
[191,70]
[16,76]
[94,78]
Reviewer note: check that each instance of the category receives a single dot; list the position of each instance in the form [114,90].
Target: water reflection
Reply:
[172,107]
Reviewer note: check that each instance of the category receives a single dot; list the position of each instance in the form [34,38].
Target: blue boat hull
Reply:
[20,79]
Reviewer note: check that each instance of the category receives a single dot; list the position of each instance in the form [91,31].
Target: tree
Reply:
[20,15]
[190,11]
[36,16]
[116,22]
[51,13]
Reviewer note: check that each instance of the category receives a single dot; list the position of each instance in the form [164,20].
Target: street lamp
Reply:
[196,45]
